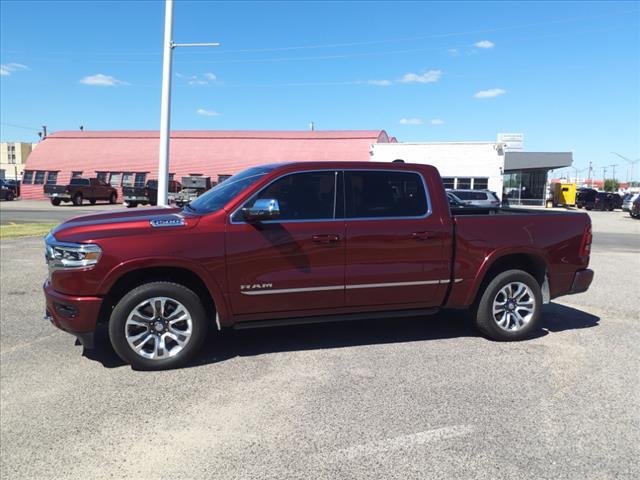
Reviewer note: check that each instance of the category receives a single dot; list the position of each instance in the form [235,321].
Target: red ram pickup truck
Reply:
[304,243]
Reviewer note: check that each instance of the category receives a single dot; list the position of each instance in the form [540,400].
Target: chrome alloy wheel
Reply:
[514,306]
[158,328]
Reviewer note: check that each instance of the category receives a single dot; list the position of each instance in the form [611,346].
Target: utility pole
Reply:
[165,105]
[590,169]
[604,174]
[613,175]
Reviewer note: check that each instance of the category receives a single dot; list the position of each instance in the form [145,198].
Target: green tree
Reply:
[611,185]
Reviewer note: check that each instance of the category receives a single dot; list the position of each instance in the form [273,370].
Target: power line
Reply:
[19,126]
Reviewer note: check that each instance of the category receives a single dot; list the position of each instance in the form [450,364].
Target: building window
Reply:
[52,178]
[27,177]
[480,183]
[114,179]
[448,182]
[39,180]
[463,183]
[101,176]
[222,178]
[140,179]
[76,174]
[127,179]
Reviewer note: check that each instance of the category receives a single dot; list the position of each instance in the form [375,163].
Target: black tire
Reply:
[134,298]
[10,197]
[484,318]
[77,199]
[55,202]
[132,204]
[92,201]
[113,198]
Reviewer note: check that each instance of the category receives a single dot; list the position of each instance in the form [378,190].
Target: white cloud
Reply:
[205,79]
[207,113]
[484,44]
[102,80]
[492,92]
[7,69]
[437,121]
[454,52]
[411,121]
[427,77]
[380,83]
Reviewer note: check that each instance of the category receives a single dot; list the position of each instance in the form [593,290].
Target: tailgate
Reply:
[55,188]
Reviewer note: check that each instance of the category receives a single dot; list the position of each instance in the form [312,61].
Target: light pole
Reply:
[630,162]
[165,105]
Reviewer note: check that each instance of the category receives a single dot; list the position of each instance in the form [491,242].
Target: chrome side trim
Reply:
[292,290]
[394,284]
[348,287]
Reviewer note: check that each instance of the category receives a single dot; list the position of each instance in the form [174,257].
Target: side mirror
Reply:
[262,209]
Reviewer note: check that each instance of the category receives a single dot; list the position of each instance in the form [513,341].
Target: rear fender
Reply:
[490,261]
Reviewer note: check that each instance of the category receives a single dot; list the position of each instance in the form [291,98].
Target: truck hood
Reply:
[92,227]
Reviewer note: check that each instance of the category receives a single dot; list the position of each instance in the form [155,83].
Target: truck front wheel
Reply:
[113,198]
[158,326]
[77,199]
[510,306]
[55,202]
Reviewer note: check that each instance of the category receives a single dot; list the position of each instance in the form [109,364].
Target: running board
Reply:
[280,322]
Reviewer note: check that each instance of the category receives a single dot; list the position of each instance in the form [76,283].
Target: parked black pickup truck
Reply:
[147,195]
[9,189]
[80,189]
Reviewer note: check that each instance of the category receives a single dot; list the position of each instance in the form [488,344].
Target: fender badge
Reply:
[167,222]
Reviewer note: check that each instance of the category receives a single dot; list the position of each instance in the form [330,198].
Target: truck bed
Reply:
[552,238]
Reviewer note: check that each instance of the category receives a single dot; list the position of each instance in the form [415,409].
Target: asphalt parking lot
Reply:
[38,211]
[394,399]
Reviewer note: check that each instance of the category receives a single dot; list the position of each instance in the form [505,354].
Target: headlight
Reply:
[62,255]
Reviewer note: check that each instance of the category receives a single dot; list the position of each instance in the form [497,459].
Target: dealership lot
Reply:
[411,398]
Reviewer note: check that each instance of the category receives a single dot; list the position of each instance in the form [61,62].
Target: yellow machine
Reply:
[564,194]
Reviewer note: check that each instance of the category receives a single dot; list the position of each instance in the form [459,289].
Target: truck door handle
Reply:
[422,235]
[326,238]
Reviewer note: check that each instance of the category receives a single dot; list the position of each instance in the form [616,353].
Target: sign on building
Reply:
[513,142]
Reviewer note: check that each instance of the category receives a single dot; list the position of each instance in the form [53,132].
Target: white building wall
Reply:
[458,160]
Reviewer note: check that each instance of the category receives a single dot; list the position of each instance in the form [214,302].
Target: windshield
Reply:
[226,191]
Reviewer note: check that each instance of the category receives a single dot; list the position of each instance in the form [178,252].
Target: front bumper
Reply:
[581,281]
[76,315]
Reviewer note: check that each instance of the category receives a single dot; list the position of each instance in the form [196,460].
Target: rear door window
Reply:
[470,195]
[384,194]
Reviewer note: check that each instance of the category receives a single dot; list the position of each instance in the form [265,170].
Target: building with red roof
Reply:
[131,157]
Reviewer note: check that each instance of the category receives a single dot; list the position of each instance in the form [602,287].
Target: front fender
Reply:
[212,285]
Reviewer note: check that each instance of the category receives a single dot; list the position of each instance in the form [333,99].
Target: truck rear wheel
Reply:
[132,204]
[510,306]
[112,198]
[158,326]
[77,199]
[55,202]
[92,201]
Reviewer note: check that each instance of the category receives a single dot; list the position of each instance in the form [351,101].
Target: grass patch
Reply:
[20,230]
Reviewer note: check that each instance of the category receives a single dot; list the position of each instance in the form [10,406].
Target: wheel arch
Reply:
[133,277]
[531,262]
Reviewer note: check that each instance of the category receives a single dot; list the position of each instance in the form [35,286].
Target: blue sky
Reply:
[567,75]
